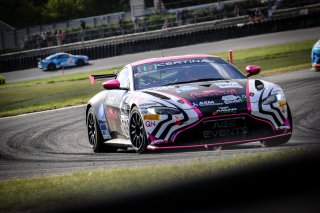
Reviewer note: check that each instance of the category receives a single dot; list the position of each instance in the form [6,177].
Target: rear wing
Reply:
[94,78]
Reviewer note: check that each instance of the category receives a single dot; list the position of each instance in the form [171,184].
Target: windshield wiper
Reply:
[198,80]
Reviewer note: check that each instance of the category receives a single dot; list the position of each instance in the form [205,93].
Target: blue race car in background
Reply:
[315,55]
[59,60]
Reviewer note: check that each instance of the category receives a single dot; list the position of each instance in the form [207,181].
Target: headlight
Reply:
[163,111]
[269,100]
[274,98]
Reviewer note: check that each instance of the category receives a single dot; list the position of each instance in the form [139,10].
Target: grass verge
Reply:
[46,193]
[2,80]
[68,90]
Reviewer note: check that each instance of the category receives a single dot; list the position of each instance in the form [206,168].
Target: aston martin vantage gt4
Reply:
[183,102]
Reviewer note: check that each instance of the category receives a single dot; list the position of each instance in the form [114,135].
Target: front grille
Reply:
[224,130]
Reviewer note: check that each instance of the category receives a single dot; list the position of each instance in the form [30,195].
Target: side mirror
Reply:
[111,84]
[252,70]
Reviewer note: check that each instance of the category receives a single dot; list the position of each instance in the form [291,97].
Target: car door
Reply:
[113,103]
[65,60]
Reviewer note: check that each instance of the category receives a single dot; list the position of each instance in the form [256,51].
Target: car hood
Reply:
[212,97]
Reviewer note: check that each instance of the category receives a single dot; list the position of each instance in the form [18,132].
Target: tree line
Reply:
[23,13]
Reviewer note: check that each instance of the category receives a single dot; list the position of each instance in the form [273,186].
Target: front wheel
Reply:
[51,66]
[281,140]
[138,135]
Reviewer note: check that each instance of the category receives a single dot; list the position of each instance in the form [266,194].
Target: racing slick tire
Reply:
[51,66]
[137,132]
[94,134]
[281,140]
[80,62]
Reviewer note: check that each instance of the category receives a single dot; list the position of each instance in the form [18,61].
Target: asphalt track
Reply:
[55,142]
[204,48]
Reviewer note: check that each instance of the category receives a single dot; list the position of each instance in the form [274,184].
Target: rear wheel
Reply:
[51,66]
[137,132]
[281,140]
[80,62]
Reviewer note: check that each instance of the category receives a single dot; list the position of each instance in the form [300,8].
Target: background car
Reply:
[59,60]
[184,102]
[315,55]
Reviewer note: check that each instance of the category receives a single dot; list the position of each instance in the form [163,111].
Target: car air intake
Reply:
[259,85]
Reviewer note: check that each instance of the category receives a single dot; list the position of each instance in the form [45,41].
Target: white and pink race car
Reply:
[183,102]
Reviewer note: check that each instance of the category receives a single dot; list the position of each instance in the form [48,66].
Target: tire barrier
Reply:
[15,62]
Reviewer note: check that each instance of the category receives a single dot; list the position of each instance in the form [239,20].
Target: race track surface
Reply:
[204,48]
[55,142]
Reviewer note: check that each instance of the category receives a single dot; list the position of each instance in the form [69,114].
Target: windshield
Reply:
[183,71]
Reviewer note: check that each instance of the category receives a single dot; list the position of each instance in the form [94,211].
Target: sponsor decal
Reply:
[181,62]
[70,61]
[185,89]
[181,101]
[124,120]
[283,109]
[151,117]
[208,103]
[148,104]
[162,88]
[226,132]
[225,128]
[178,117]
[282,103]
[105,131]
[232,99]
[143,112]
[224,110]
[228,85]
[212,93]
[156,66]
[150,123]
[195,104]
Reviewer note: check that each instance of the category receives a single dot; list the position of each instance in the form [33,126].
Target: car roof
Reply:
[178,57]
[60,53]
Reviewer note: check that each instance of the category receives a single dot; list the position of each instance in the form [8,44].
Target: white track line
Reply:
[50,110]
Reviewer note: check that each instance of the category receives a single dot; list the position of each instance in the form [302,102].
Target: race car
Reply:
[59,60]
[315,55]
[183,102]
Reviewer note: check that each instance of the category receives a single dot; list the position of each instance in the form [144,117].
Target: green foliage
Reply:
[33,12]
[20,12]
[2,80]
[158,19]
[56,10]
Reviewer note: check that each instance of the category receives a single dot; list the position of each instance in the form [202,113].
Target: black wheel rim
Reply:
[91,129]
[51,67]
[80,62]
[137,133]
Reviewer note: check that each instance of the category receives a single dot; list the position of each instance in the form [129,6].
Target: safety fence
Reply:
[186,35]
